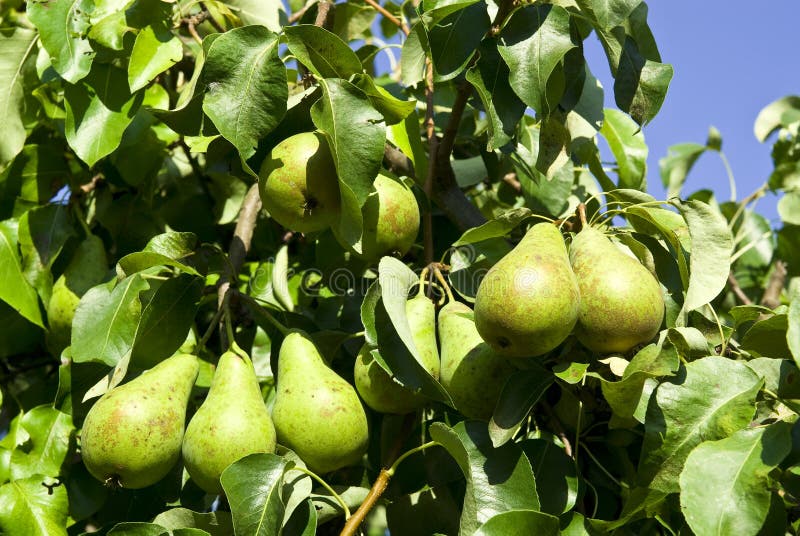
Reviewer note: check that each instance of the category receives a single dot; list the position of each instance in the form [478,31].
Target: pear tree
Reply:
[381,267]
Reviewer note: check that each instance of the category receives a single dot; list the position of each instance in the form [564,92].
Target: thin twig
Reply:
[737,290]
[217,26]
[391,18]
[92,184]
[297,15]
[777,279]
[433,151]
[512,180]
[558,429]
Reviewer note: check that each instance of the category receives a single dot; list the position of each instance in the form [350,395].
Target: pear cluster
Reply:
[300,189]
[539,294]
[134,435]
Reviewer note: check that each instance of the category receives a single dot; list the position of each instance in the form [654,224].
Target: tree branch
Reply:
[737,290]
[391,18]
[325,14]
[240,244]
[433,151]
[297,15]
[777,279]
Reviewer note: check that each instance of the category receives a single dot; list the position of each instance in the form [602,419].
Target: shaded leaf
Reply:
[520,393]
[556,475]
[793,328]
[454,39]
[215,523]
[498,227]
[498,479]
[520,522]
[725,484]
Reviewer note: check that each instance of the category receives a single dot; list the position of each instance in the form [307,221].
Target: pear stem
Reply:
[423,278]
[582,215]
[214,322]
[325,485]
[440,278]
[378,487]
[721,331]
[266,314]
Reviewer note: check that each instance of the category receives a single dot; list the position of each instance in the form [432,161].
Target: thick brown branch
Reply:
[391,18]
[772,294]
[433,148]
[451,131]
[737,290]
[378,487]
[325,14]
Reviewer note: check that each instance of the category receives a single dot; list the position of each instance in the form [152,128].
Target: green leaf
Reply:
[626,141]
[556,475]
[628,397]
[217,523]
[640,85]
[393,109]
[789,208]
[280,279]
[676,165]
[498,227]
[666,223]
[520,522]
[454,39]
[533,43]
[43,231]
[253,488]
[710,260]
[18,45]
[245,86]
[106,321]
[99,109]
[269,13]
[696,407]
[413,55]
[725,484]
[520,393]
[166,319]
[323,52]
[437,10]
[498,479]
[778,114]
[490,78]
[28,508]
[138,528]
[63,27]
[769,338]
[49,432]
[356,136]
[15,289]
[383,314]
[155,50]
[793,328]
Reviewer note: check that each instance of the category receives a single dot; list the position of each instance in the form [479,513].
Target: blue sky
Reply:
[731,59]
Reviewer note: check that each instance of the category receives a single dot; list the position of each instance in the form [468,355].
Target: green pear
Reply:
[298,183]
[378,390]
[232,423]
[391,220]
[472,372]
[87,268]
[132,436]
[528,302]
[622,304]
[317,414]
